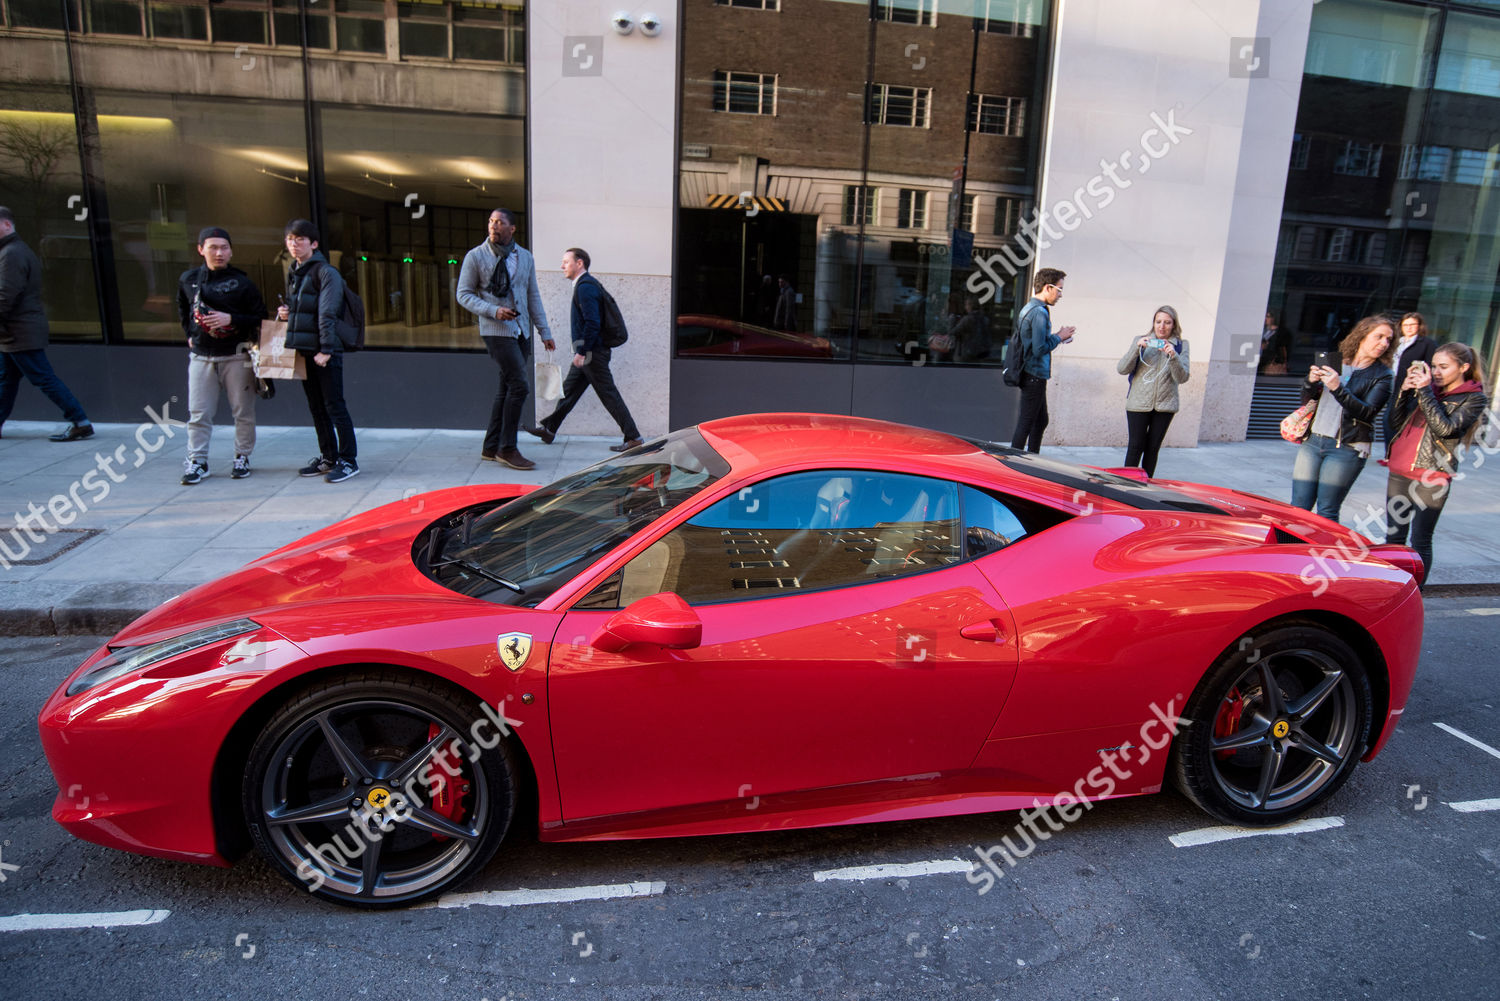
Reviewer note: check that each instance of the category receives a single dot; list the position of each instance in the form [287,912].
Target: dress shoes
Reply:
[626,445]
[513,458]
[542,433]
[73,432]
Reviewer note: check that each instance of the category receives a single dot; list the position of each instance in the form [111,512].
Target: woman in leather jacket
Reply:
[1438,410]
[1343,428]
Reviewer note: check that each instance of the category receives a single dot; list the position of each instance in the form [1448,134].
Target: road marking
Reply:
[560,895]
[895,871]
[1483,611]
[102,919]
[1465,737]
[1476,805]
[1208,835]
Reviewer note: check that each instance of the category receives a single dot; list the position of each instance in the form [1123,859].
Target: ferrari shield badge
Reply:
[514,649]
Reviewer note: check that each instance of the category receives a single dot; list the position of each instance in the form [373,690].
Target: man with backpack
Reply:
[313,309]
[1037,341]
[597,329]
[497,283]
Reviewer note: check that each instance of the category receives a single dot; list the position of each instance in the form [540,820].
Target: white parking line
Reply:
[903,870]
[102,919]
[1208,835]
[1465,737]
[1476,805]
[1483,611]
[560,895]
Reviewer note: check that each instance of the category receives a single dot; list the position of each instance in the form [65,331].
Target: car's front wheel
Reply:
[1275,727]
[376,789]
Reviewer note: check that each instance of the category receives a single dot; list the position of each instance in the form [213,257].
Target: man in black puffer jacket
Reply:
[220,309]
[314,302]
[23,334]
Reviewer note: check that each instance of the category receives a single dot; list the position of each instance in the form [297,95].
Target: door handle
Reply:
[986,631]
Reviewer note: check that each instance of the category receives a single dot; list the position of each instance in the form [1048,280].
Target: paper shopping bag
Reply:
[272,358]
[548,380]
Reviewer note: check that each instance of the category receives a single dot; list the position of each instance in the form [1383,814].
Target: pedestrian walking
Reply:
[1350,399]
[314,303]
[1438,410]
[497,283]
[590,357]
[1038,342]
[23,335]
[785,315]
[1156,364]
[1414,345]
[220,310]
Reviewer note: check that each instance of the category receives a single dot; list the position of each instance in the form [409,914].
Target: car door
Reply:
[844,640]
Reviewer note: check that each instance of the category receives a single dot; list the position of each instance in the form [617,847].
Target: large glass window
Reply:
[1391,205]
[843,221]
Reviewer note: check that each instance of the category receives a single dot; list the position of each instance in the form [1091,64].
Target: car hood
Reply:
[364,559]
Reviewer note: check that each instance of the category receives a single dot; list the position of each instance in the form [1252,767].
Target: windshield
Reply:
[520,553]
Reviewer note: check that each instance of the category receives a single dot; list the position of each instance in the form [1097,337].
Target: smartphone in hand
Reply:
[1326,359]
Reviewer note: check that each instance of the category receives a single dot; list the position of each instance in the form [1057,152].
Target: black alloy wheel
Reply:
[1275,727]
[375,790]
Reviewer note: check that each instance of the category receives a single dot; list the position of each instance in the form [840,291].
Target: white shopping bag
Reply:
[548,380]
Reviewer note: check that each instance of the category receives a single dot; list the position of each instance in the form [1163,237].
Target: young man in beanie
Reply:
[220,309]
[23,334]
[314,300]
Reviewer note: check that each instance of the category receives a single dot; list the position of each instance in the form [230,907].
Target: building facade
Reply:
[827,205]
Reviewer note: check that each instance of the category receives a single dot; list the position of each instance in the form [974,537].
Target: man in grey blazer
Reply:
[498,285]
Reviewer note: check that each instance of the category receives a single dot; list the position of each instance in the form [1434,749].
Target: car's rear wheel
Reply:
[1275,727]
[376,789]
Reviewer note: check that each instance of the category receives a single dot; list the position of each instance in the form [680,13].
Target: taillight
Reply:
[1402,558]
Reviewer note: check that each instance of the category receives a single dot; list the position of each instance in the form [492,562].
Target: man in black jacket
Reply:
[23,334]
[590,357]
[220,309]
[315,300]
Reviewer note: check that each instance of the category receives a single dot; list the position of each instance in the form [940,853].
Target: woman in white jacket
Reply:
[1156,365]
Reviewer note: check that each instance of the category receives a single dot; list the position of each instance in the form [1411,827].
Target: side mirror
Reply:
[663,620]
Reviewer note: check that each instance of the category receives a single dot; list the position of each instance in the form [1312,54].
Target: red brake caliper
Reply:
[444,798]
[1227,723]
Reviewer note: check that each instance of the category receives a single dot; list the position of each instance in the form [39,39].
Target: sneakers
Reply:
[194,472]
[626,445]
[73,432]
[241,467]
[513,458]
[341,471]
[540,431]
[317,467]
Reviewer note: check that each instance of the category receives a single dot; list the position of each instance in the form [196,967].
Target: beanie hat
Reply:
[210,232]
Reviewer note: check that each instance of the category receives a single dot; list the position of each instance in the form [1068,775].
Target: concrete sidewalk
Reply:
[147,538]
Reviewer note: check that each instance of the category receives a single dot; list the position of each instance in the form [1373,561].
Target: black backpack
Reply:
[351,321]
[1015,350]
[611,323]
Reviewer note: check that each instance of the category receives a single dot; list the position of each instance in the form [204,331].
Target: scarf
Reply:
[500,277]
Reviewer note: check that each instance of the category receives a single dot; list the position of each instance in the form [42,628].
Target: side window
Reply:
[801,532]
[993,522]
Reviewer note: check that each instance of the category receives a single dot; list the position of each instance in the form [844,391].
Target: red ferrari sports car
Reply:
[763,622]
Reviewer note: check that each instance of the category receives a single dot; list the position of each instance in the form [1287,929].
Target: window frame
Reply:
[1003,110]
[724,88]
[878,105]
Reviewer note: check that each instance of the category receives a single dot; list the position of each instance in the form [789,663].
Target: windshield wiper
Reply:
[476,568]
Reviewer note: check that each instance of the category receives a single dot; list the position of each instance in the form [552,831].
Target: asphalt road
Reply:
[1399,899]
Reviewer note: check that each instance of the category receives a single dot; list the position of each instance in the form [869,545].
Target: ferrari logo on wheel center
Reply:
[378,798]
[514,648]
[1281,729]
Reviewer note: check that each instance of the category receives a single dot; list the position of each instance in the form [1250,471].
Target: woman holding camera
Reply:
[1156,365]
[1350,398]
[1438,409]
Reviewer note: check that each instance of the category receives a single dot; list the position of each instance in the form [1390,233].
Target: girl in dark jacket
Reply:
[1412,346]
[1438,410]
[1349,402]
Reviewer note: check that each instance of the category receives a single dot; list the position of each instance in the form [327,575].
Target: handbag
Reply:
[272,359]
[942,343]
[548,379]
[1297,425]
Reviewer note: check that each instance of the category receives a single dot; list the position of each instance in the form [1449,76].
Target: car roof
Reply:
[788,438]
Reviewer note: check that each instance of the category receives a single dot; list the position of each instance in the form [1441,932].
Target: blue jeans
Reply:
[36,368]
[1323,474]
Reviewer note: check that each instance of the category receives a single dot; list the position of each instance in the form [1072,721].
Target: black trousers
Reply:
[1031,417]
[595,373]
[324,387]
[513,355]
[1147,430]
[1412,504]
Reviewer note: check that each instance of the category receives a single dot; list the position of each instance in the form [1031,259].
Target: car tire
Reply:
[376,789]
[1275,727]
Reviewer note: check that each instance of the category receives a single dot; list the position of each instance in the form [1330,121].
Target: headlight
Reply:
[124,659]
